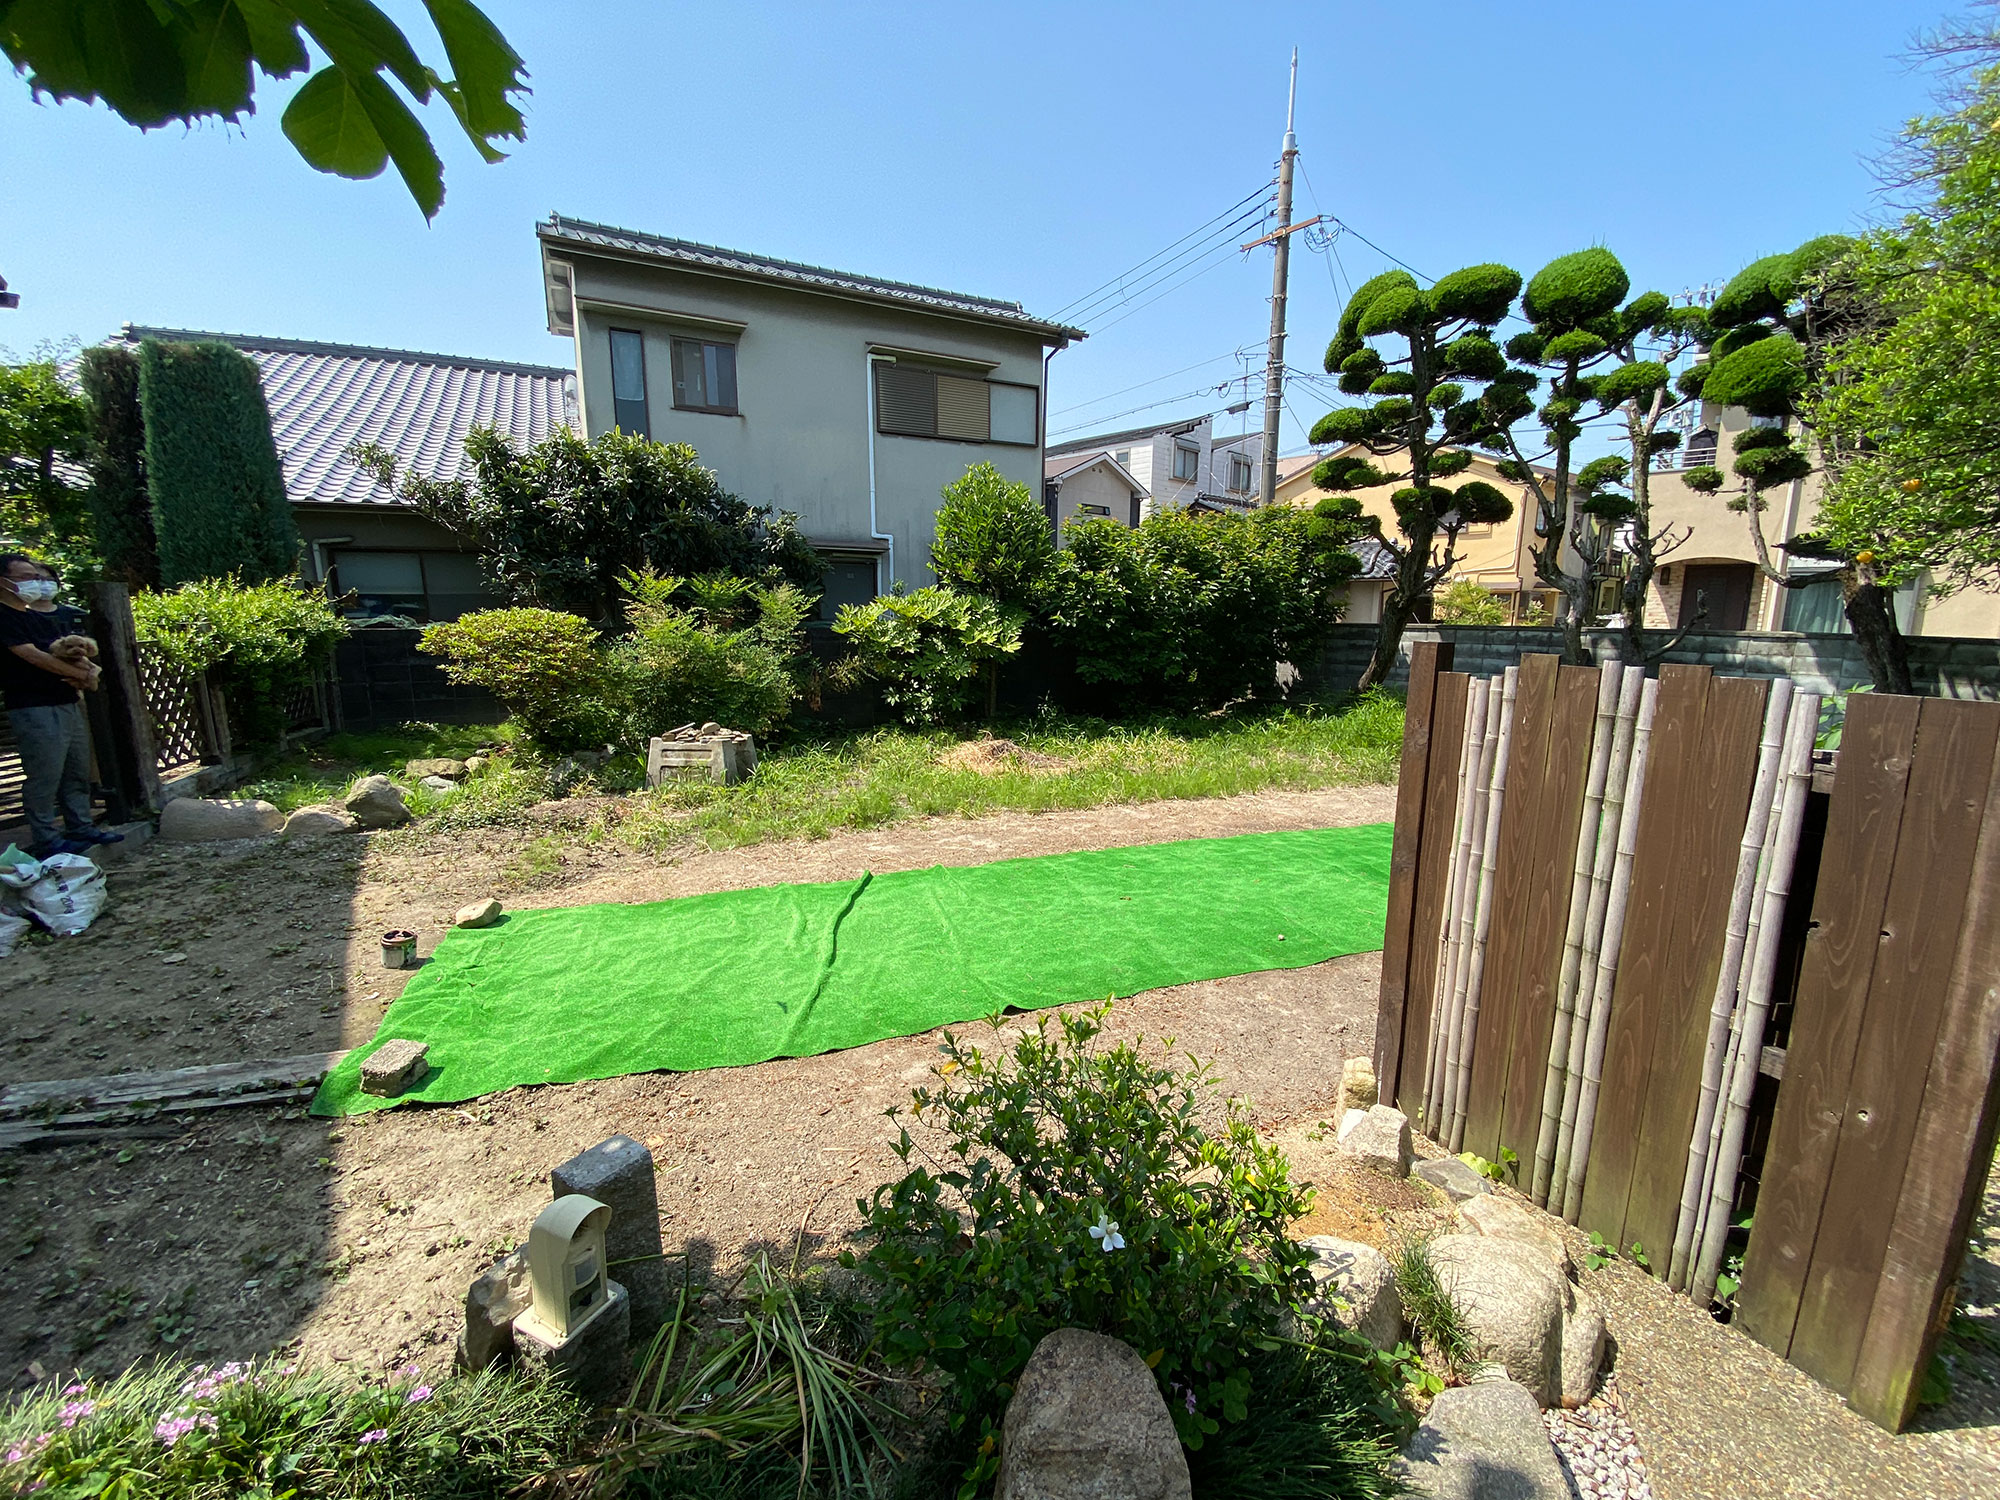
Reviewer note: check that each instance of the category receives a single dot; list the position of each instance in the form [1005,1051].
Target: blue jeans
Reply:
[55,767]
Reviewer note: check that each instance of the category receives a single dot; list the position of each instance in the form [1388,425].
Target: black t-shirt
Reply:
[22,683]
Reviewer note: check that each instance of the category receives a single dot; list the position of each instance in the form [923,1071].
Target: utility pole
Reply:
[1281,266]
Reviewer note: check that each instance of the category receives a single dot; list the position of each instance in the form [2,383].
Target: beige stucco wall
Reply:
[1097,485]
[800,438]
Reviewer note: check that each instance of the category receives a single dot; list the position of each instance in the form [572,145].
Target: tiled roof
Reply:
[1376,563]
[326,397]
[557,230]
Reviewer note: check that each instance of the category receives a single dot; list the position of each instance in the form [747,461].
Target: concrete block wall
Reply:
[1943,666]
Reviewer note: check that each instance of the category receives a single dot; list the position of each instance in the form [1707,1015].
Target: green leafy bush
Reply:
[259,643]
[1466,603]
[218,495]
[1078,1186]
[121,512]
[173,1431]
[929,650]
[680,665]
[544,665]
[44,426]
[993,538]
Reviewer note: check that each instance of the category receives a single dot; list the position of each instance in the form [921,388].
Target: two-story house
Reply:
[1177,466]
[1714,567]
[849,400]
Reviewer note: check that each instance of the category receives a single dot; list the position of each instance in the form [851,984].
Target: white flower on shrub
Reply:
[1105,1232]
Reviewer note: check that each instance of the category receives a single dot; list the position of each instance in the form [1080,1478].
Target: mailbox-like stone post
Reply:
[618,1171]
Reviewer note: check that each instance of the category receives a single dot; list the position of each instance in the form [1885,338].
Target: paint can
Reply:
[399,949]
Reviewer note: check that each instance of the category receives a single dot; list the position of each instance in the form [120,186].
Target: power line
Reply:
[1205,390]
[1220,257]
[1232,213]
[1220,243]
[1126,391]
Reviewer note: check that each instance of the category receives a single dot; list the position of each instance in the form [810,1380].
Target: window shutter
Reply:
[906,400]
[962,410]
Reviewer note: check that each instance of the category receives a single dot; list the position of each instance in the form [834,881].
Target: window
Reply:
[1239,472]
[420,586]
[628,382]
[704,376]
[912,402]
[1820,608]
[1700,449]
[1124,457]
[1187,460]
[1093,510]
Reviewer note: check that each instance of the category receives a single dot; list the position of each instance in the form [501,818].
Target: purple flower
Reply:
[74,1412]
[376,1435]
[75,1390]
[421,1393]
[411,1370]
[1190,1402]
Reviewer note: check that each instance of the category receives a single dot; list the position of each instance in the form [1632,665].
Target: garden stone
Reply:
[1508,1219]
[440,765]
[438,785]
[377,802]
[1357,1084]
[492,1303]
[592,1361]
[1582,1351]
[478,914]
[1379,1138]
[1483,1441]
[474,764]
[202,820]
[1087,1422]
[1361,1277]
[393,1067]
[1513,1303]
[618,1172]
[305,822]
[1452,1177]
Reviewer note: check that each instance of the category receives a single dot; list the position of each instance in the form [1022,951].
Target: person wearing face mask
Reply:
[45,711]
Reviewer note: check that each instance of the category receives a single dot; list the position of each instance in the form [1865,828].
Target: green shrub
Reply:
[1575,288]
[993,538]
[545,666]
[218,495]
[259,643]
[1466,603]
[1318,1429]
[1763,377]
[121,512]
[679,666]
[929,651]
[1077,1186]
[173,1431]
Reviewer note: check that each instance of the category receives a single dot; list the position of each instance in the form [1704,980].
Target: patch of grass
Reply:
[868,779]
[1314,1432]
[323,770]
[1428,1304]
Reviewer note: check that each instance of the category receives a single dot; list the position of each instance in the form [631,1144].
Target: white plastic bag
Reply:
[64,892]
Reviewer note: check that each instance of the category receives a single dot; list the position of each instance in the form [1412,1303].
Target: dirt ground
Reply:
[351,1241]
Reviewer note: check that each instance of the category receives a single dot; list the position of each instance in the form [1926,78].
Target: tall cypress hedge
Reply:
[218,495]
[121,513]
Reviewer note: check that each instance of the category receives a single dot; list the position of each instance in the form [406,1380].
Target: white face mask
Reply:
[34,590]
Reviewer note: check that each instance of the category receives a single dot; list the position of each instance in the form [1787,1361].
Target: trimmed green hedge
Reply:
[219,506]
[120,510]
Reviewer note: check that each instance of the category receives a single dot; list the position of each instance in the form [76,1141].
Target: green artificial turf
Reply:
[554,996]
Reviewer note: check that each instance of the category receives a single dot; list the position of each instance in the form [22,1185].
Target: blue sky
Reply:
[1031,152]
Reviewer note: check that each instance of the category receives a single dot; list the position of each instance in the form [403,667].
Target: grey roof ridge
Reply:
[132,331]
[1175,428]
[556,225]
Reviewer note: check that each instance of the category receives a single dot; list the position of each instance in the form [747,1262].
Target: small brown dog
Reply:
[77,650]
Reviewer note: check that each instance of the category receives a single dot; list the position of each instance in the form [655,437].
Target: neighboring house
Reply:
[1181,465]
[1090,485]
[764,365]
[324,398]
[1717,562]
[1499,558]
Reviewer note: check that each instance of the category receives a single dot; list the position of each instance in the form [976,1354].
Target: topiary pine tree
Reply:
[1779,318]
[1595,353]
[1425,416]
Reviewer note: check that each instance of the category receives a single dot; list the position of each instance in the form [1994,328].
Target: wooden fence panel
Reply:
[1427,659]
[1864,817]
[1928,886]
[1519,874]
[1433,877]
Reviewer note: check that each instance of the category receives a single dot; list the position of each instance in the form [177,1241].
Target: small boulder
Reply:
[1087,1422]
[1452,1177]
[393,1067]
[1483,1441]
[497,1297]
[377,802]
[438,765]
[1357,1084]
[1361,1277]
[1510,1219]
[438,785]
[478,914]
[474,764]
[1379,1138]
[203,820]
[1513,1302]
[306,822]
[1582,1351]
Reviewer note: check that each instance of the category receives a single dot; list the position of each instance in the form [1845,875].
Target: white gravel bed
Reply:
[1598,1450]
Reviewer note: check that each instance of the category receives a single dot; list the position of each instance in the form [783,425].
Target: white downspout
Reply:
[874,533]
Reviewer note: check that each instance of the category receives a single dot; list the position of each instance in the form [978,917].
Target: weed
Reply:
[1431,1308]
[1637,1252]
[1602,1252]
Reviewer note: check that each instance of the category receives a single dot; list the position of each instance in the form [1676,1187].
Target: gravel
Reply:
[1598,1449]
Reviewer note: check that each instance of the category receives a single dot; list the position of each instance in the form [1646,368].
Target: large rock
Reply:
[377,802]
[450,770]
[1087,1422]
[1378,1138]
[478,913]
[1502,1218]
[1483,1441]
[1358,1089]
[1513,1301]
[1454,1178]
[438,785]
[307,822]
[492,1302]
[619,1173]
[1582,1350]
[1361,1277]
[202,820]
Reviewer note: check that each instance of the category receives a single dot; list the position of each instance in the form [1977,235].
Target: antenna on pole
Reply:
[1281,263]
